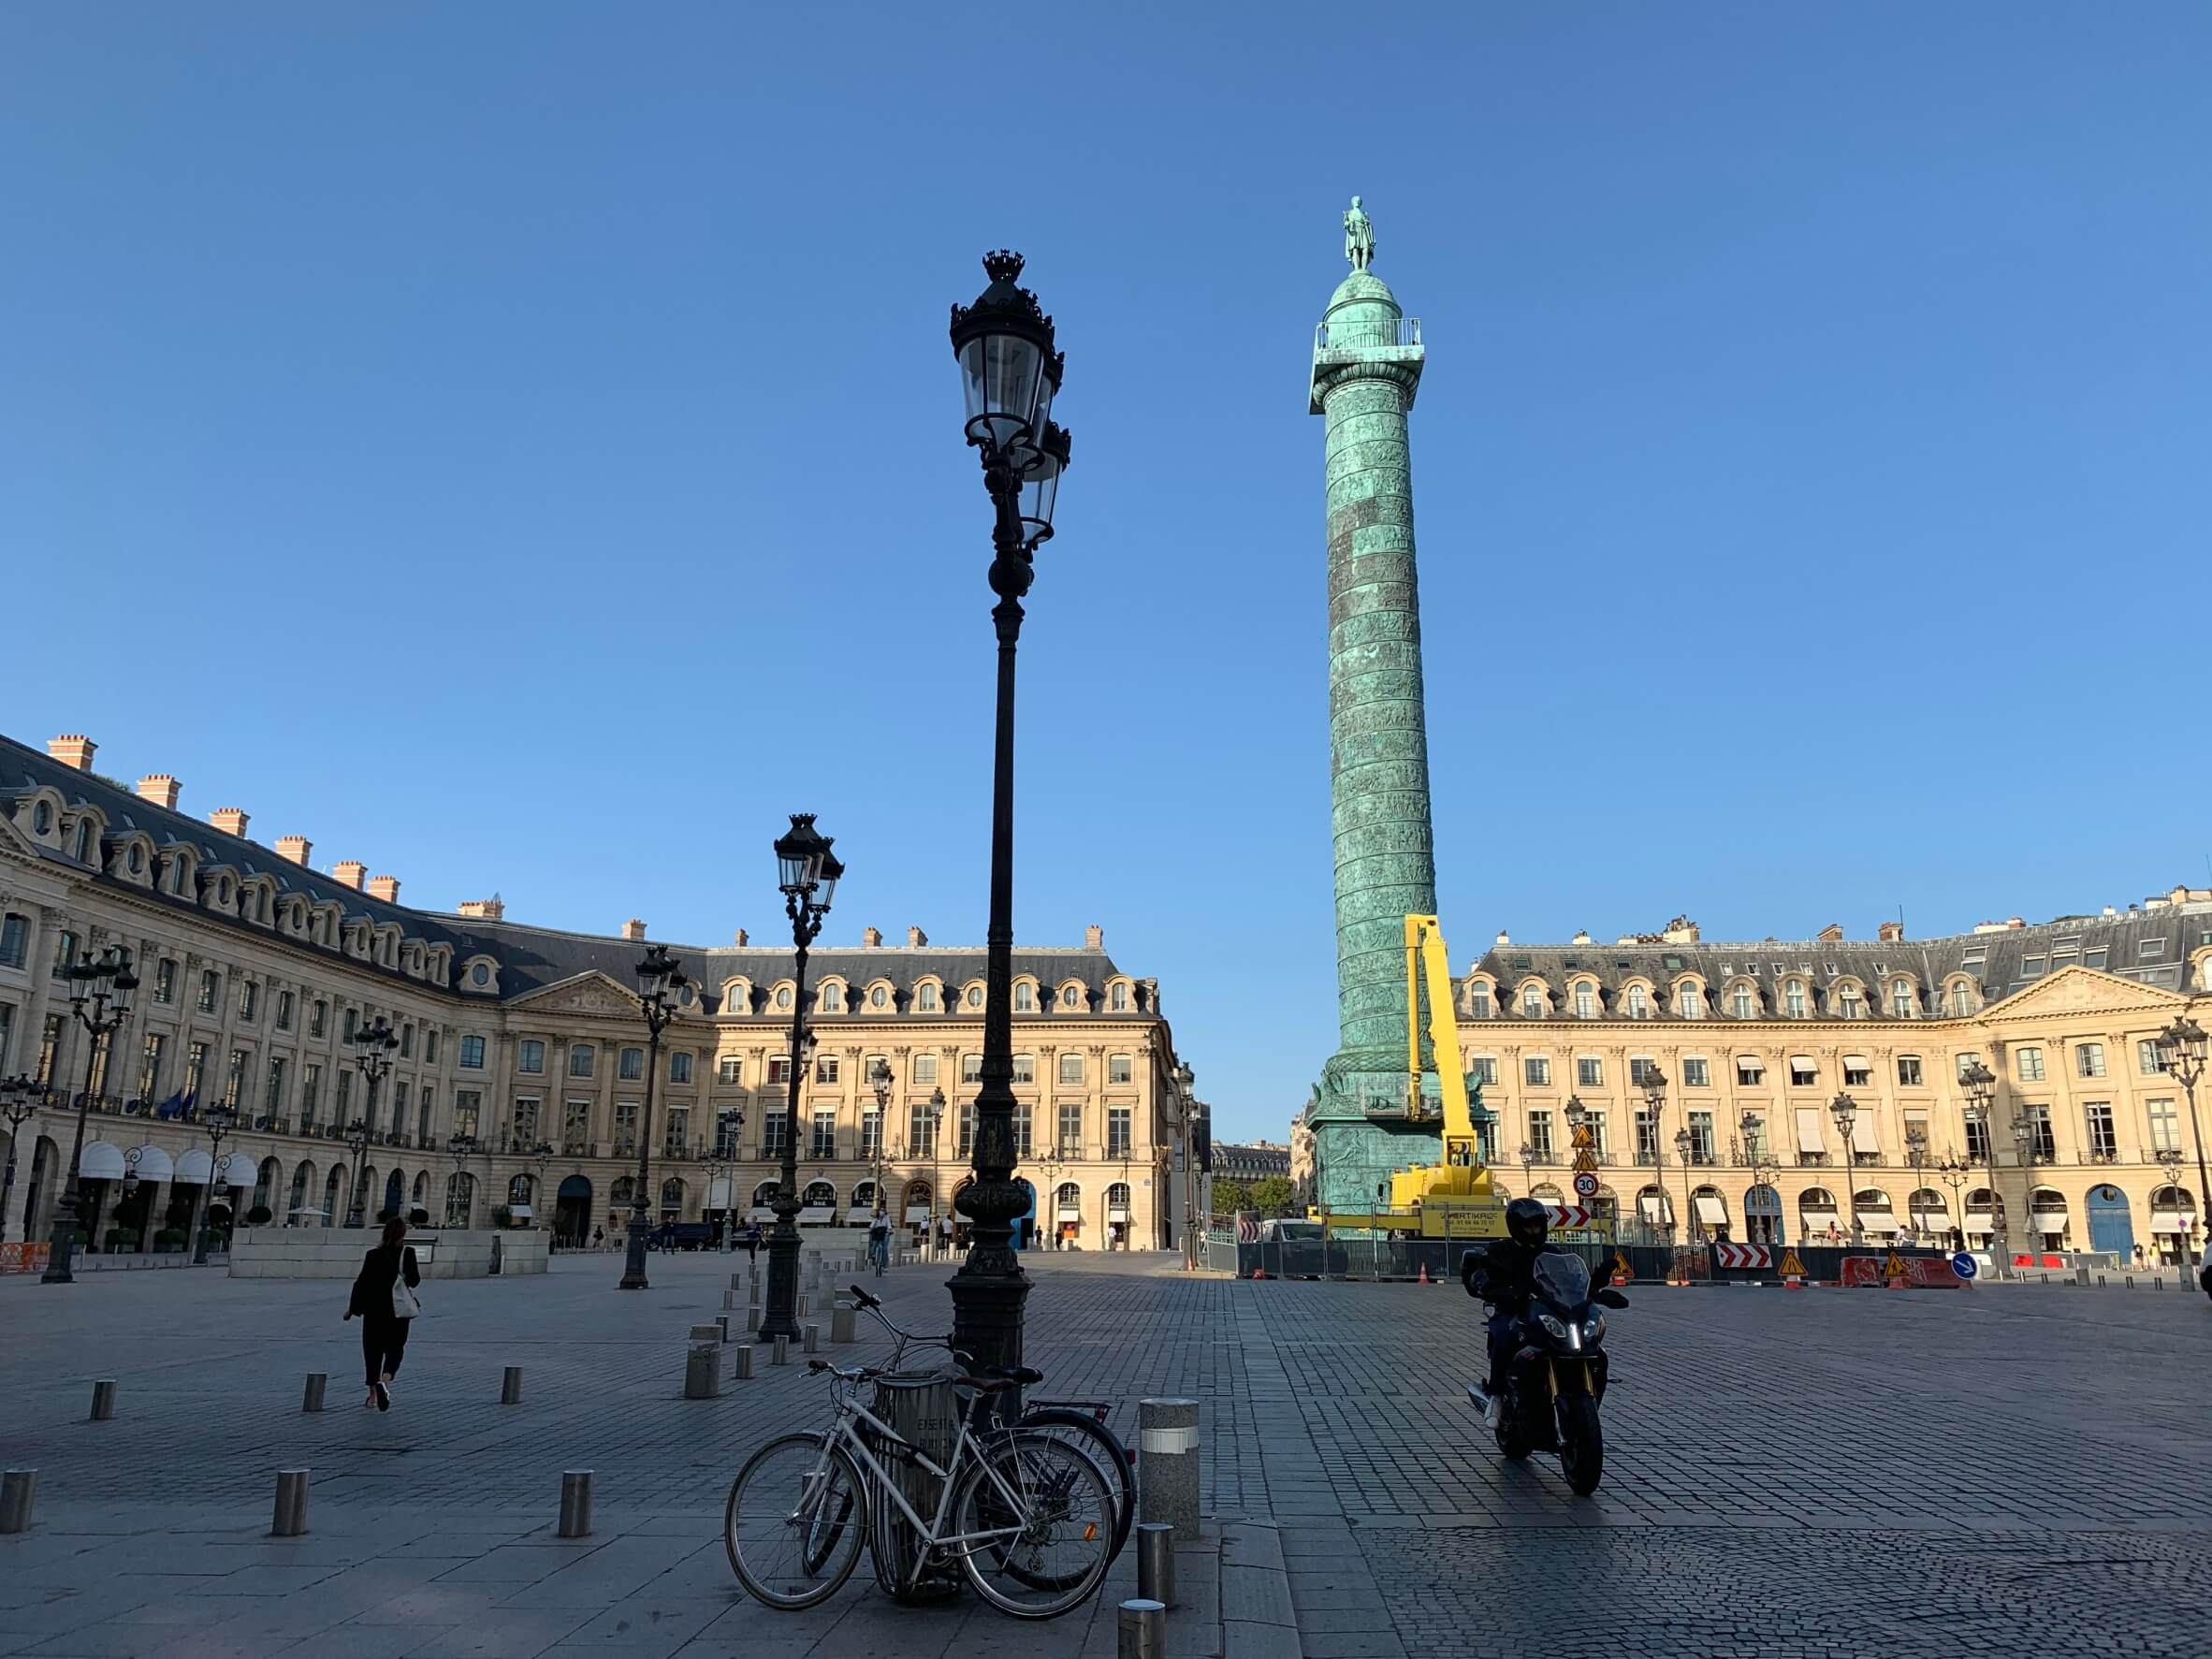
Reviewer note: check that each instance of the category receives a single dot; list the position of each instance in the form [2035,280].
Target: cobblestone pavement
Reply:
[1823,1472]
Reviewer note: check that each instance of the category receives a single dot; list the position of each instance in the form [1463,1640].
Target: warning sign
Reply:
[1791,1267]
[1584,1141]
[1622,1273]
[1895,1270]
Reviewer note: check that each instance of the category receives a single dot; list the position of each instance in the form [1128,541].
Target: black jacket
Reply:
[372,1285]
[1505,1274]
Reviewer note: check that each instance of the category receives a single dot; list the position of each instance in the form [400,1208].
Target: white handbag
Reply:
[405,1304]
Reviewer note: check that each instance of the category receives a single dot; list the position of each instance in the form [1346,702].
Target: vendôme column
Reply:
[1367,368]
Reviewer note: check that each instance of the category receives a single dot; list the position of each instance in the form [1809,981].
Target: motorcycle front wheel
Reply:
[1512,1434]
[1582,1445]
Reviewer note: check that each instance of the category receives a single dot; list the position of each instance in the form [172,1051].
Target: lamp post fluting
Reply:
[1980,1085]
[2182,1047]
[19,1104]
[659,978]
[1654,1088]
[1759,1156]
[374,1045]
[1011,369]
[1917,1156]
[1845,1110]
[879,1081]
[218,1122]
[100,998]
[808,874]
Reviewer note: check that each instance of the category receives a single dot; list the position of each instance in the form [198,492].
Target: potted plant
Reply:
[120,1238]
[418,1217]
[502,1216]
[259,1216]
[168,1239]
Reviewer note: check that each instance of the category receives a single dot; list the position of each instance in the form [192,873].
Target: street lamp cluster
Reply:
[100,998]
[659,979]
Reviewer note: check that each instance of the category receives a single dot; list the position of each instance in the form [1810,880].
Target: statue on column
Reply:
[1359,237]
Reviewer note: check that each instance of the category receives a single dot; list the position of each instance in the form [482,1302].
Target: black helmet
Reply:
[1527,1221]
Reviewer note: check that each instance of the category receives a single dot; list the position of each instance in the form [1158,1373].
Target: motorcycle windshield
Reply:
[1564,1281]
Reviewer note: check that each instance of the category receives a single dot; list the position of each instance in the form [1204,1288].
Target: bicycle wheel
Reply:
[1104,1449]
[795,1520]
[1055,1512]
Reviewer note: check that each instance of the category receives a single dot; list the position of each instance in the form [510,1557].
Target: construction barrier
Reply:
[24,1258]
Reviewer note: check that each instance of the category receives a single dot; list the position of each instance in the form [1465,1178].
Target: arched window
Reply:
[975,996]
[80,849]
[1793,998]
[1068,1202]
[1816,1210]
[1689,1001]
[783,998]
[765,1194]
[1743,1002]
[864,1195]
[461,1198]
[1024,999]
[1654,1208]
[519,1190]
[1640,1003]
[618,1195]
[926,999]
[1070,996]
[1117,1196]
[833,997]
[820,1195]
[1532,1002]
[302,1178]
[1585,1000]
[422,1189]
[672,1195]
[1904,1005]
[918,1198]
[879,996]
[1120,1000]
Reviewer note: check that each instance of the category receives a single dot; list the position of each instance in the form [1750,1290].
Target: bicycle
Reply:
[1083,1421]
[1028,1517]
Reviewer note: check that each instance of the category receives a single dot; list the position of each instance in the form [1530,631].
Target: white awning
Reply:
[718,1193]
[101,1160]
[2170,1221]
[1070,1213]
[1809,1129]
[1862,1131]
[1877,1221]
[1118,1213]
[1981,1221]
[239,1169]
[1931,1215]
[860,1213]
[1655,1207]
[151,1163]
[191,1169]
[917,1213]
[1711,1211]
[818,1215]
[761,1215]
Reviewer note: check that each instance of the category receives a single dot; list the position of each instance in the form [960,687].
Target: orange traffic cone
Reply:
[1259,1272]
[1425,1279]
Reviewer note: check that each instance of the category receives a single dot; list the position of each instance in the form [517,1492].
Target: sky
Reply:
[517,446]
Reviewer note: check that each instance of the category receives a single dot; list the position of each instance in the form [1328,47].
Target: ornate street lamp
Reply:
[218,1121]
[659,978]
[807,873]
[1186,1107]
[1956,1172]
[20,1101]
[712,1163]
[1681,1151]
[1528,1170]
[2169,1161]
[1917,1156]
[935,1117]
[100,998]
[1845,1110]
[879,1080]
[1011,369]
[373,1047]
[1979,1085]
[461,1148]
[2181,1048]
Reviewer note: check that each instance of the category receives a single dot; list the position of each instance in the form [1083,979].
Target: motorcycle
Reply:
[1555,1377]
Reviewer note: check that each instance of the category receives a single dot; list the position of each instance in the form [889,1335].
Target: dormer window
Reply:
[1070,997]
[1585,1001]
[1640,1003]
[1024,999]
[80,845]
[1532,1003]
[1690,1003]
[1902,1005]
[833,997]
[1793,1000]
[925,999]
[42,819]
[1119,1002]
[1849,1004]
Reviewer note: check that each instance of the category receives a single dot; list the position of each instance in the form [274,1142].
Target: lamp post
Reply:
[805,867]
[1011,369]
[1528,1170]
[461,1148]
[218,1121]
[1956,1172]
[657,981]
[1759,1156]
[2170,1165]
[1654,1088]
[19,1099]
[1980,1084]
[2181,1046]
[2024,1143]
[936,1113]
[1681,1152]
[711,1164]
[1917,1156]
[1186,1103]
[879,1080]
[100,998]
[373,1047]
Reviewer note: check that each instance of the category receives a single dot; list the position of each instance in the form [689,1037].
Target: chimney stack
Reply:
[1094,938]
[740,939]
[1582,937]
[159,787]
[386,888]
[1891,933]
[1504,938]
[347,872]
[871,937]
[634,930]
[483,909]
[2013,923]
[72,748]
[916,938]
[231,821]
[293,848]
[1830,935]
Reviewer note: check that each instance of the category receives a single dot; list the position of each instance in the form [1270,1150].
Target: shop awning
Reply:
[2170,1221]
[1981,1221]
[1711,1211]
[763,1215]
[917,1213]
[1877,1221]
[818,1215]
[101,1160]
[1070,1213]
[191,1169]
[862,1214]
[1862,1131]
[521,1212]
[151,1163]
[1655,1207]
[1118,1213]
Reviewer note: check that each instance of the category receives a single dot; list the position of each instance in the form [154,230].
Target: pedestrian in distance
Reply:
[752,1244]
[599,1238]
[385,1301]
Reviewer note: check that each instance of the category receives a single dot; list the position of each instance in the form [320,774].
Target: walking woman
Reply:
[384,1298]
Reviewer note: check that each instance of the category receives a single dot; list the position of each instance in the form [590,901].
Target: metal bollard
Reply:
[311,1398]
[841,1318]
[290,1520]
[1155,1562]
[1167,1464]
[742,1372]
[730,1300]
[812,1344]
[780,1353]
[753,1320]
[800,1312]
[752,1294]
[702,1367]
[576,1504]
[102,1400]
[1144,1630]
[511,1385]
[721,1323]
[19,1489]
[736,1282]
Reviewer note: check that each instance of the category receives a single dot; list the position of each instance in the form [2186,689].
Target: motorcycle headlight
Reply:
[1595,1330]
[1553,1326]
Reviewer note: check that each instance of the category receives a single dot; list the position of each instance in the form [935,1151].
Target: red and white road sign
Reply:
[1568,1215]
[1742,1256]
[1247,1230]
[1586,1184]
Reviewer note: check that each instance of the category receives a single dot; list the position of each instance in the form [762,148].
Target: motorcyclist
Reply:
[1504,1276]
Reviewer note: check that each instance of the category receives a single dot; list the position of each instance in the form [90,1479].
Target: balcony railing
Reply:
[1367,334]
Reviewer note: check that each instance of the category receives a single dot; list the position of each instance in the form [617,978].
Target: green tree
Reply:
[1272,1195]
[1231,1198]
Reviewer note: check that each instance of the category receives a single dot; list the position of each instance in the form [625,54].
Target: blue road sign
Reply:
[1963,1265]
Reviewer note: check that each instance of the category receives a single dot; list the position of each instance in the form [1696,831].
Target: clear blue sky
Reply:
[516,445]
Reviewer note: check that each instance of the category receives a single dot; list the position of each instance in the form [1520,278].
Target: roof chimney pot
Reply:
[916,938]
[386,888]
[231,821]
[483,909]
[634,930]
[72,748]
[872,938]
[159,787]
[1891,933]
[349,872]
[1094,938]
[294,848]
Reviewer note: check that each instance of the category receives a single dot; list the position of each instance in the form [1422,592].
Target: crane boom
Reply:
[1428,967]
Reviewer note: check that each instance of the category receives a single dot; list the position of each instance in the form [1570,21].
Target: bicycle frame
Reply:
[844,1435]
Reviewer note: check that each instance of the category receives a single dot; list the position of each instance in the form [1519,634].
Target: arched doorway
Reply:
[2173,1221]
[461,1198]
[296,1208]
[2111,1228]
[817,1204]
[1066,1215]
[1762,1216]
[1985,1217]
[920,1206]
[1118,1216]
[1871,1215]
[1024,1232]
[2047,1218]
[267,1179]
[1711,1212]
[1927,1215]
[863,1208]
[334,1196]
[394,1193]
[369,1188]
[672,1198]
[572,1209]
[1817,1220]
[421,1199]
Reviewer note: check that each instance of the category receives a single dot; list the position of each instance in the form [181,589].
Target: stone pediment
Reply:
[2076,989]
[590,993]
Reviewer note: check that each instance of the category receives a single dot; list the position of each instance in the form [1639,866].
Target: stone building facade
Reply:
[1757,1040]
[257,969]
